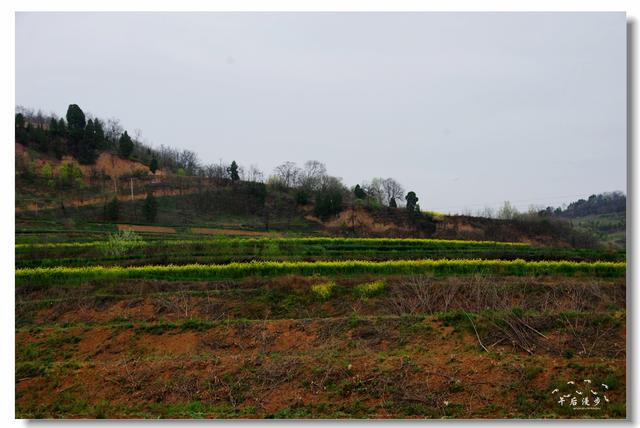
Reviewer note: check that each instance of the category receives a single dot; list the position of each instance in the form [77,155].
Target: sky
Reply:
[466,109]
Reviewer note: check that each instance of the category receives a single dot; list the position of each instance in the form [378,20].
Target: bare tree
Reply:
[254,174]
[392,191]
[288,173]
[374,190]
[508,211]
[113,130]
[189,161]
[313,175]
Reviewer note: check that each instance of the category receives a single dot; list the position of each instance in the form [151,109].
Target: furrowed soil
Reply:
[408,347]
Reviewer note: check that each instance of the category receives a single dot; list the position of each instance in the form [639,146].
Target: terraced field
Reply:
[317,328]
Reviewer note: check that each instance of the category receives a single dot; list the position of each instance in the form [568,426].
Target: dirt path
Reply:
[208,231]
[140,228]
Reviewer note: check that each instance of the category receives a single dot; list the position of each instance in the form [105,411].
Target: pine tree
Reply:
[153,166]
[412,202]
[233,171]
[125,145]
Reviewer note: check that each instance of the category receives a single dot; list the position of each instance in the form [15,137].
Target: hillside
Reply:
[151,287]
[88,173]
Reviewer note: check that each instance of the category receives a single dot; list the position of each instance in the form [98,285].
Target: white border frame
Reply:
[7,262]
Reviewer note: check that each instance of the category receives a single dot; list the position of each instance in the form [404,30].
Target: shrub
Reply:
[121,243]
[323,291]
[370,289]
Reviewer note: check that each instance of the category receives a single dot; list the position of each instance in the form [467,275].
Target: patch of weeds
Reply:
[323,291]
[57,346]
[370,289]
[158,328]
[195,325]
[29,369]
[354,320]
[531,373]
[456,386]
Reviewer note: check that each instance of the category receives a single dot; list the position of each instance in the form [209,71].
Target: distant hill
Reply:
[603,215]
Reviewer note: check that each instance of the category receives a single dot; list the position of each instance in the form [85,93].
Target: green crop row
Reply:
[196,272]
[367,242]
[226,250]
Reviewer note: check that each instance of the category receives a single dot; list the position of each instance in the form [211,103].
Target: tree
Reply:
[75,118]
[76,123]
[150,208]
[189,161]
[393,191]
[153,166]
[412,202]
[313,174]
[255,175]
[19,120]
[112,209]
[359,192]
[287,174]
[86,150]
[393,203]
[53,127]
[233,171]
[375,191]
[62,127]
[329,198]
[125,145]
[98,134]
[70,175]
[507,212]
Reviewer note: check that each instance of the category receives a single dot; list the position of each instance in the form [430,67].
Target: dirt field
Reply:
[273,348]
[141,228]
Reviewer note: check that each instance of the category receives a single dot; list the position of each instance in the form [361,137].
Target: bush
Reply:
[370,289]
[323,291]
[121,243]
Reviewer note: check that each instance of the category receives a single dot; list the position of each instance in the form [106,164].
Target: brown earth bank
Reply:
[462,347]
[291,297]
[332,368]
[106,163]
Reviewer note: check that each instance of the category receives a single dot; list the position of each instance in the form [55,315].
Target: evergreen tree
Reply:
[125,145]
[359,192]
[75,118]
[53,127]
[75,124]
[62,127]
[153,166]
[86,150]
[19,120]
[412,202]
[98,134]
[233,171]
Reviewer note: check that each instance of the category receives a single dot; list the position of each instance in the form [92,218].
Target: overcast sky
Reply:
[468,110]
